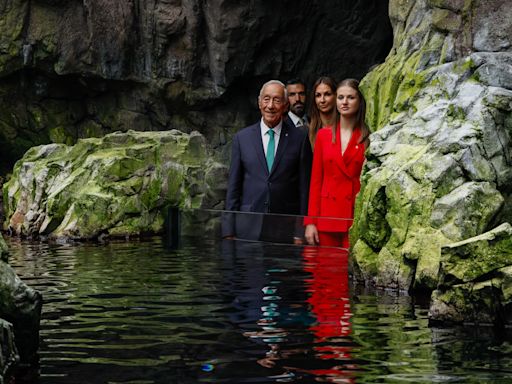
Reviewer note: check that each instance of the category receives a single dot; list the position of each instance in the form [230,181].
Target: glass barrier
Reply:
[248,226]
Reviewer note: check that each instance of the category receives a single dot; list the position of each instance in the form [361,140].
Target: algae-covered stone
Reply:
[475,284]
[117,185]
[467,260]
[467,210]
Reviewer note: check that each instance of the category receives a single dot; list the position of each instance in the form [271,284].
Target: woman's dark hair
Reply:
[315,122]
[361,113]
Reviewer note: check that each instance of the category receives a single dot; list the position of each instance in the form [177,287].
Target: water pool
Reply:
[236,312]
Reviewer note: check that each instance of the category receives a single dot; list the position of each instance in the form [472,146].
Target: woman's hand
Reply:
[311,234]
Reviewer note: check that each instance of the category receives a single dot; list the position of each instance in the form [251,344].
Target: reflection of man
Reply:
[297,102]
[270,166]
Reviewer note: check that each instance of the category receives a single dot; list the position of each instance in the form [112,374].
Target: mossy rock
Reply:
[117,185]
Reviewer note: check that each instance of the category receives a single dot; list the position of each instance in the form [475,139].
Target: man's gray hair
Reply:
[275,82]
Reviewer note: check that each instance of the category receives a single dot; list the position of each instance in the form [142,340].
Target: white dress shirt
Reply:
[298,121]
[265,137]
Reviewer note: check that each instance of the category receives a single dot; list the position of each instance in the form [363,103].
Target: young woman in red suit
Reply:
[337,162]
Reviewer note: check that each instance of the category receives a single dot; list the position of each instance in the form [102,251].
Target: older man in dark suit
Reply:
[269,173]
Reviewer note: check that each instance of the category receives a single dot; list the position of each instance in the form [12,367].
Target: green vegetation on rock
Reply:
[117,185]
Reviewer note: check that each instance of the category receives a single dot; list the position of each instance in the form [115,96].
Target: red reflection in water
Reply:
[329,300]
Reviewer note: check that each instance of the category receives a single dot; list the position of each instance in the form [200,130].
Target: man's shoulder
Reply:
[293,130]
[248,129]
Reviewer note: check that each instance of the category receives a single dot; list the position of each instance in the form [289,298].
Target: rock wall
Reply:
[439,167]
[77,69]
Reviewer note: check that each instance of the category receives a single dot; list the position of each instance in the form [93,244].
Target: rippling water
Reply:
[235,312]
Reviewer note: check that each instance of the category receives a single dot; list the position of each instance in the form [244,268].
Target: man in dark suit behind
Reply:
[297,103]
[266,180]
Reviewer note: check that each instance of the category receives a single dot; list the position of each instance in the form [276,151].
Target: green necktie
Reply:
[270,149]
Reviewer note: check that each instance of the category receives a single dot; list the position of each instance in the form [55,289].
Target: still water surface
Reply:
[236,312]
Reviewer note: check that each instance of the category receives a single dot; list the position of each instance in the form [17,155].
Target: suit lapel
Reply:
[344,160]
[258,146]
[352,147]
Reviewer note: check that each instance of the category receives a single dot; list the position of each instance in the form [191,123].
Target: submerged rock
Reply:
[118,185]
[475,280]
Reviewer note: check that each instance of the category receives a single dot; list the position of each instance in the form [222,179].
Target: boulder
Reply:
[475,280]
[119,185]
[439,166]
[8,353]
[20,306]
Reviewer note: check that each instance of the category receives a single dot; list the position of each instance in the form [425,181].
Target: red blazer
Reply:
[334,181]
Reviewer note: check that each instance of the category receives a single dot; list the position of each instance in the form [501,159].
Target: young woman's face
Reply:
[324,98]
[347,101]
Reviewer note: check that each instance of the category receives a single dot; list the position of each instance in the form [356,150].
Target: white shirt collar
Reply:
[296,118]
[276,129]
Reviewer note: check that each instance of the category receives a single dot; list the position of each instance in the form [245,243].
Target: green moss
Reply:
[456,112]
[151,193]
[392,87]
[365,260]
[394,271]
[61,135]
[114,184]
[445,20]
[370,223]
[468,260]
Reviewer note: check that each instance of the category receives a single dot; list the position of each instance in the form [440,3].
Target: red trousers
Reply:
[334,239]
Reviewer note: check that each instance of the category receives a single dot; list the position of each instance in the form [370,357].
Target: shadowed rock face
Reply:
[21,306]
[8,353]
[72,69]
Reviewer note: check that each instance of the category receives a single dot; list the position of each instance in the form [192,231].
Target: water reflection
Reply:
[235,312]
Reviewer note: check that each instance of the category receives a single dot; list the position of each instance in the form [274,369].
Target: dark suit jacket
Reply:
[252,188]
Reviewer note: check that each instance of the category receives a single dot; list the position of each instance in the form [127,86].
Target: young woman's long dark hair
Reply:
[315,121]
[361,113]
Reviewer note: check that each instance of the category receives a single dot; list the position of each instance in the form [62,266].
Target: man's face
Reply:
[297,98]
[272,104]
